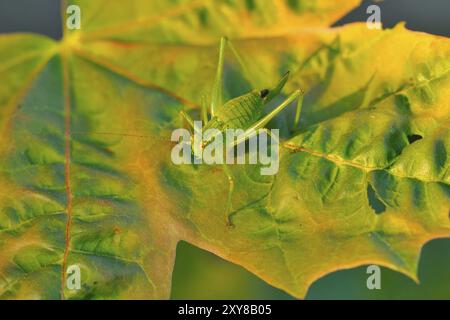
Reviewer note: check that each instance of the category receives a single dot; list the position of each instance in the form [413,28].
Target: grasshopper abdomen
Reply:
[238,113]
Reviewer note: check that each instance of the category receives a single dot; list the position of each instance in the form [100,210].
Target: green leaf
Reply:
[85,169]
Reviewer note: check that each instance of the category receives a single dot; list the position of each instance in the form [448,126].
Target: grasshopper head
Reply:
[268,94]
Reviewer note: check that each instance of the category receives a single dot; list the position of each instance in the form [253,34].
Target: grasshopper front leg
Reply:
[188,119]
[204,106]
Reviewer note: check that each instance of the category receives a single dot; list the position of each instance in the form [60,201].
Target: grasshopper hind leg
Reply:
[228,207]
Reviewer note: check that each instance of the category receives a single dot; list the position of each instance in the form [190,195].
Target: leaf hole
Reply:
[375,203]
[414,137]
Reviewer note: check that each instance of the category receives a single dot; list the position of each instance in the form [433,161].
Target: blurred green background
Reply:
[201,275]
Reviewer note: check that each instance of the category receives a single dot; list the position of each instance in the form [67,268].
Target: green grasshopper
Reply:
[243,112]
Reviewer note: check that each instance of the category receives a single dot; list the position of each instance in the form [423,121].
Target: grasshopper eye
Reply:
[263,93]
